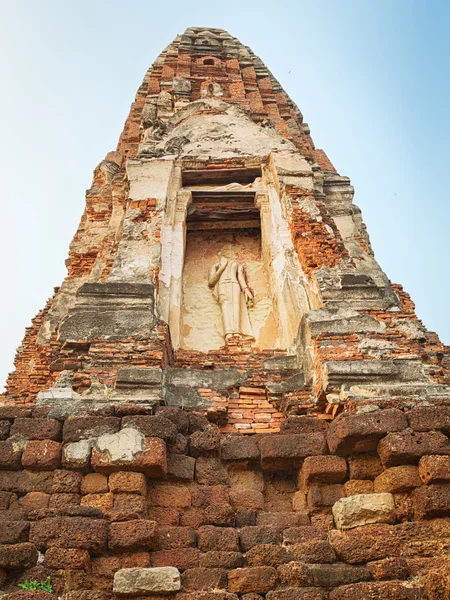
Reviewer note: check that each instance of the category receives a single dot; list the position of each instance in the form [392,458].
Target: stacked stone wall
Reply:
[358,508]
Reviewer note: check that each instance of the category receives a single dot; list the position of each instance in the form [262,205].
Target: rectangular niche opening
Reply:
[224,223]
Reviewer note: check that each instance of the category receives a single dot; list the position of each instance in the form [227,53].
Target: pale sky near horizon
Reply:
[371,78]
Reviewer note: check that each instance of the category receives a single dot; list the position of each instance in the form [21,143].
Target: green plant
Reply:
[44,586]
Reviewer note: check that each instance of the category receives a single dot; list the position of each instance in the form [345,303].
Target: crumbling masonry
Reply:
[153,449]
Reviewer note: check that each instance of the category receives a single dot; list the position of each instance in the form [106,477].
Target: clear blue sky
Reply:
[370,76]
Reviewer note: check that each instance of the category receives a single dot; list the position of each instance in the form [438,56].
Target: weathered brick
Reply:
[221,559]
[429,418]
[322,469]
[127,482]
[175,537]
[155,426]
[59,501]
[192,517]
[282,520]
[35,501]
[37,429]
[163,515]
[215,538]
[221,515]
[70,532]
[431,501]
[381,590]
[206,442]
[129,504]
[13,532]
[303,424]
[255,536]
[10,456]
[77,455]
[287,451]
[104,502]
[407,448]
[132,535]
[331,576]
[295,574]
[366,544]
[364,466]
[14,412]
[204,579]
[152,461]
[83,428]
[179,417]
[170,494]
[351,433]
[398,479]
[208,495]
[389,568]
[247,499]
[66,482]
[42,455]
[181,558]
[211,471]
[18,556]
[306,593]
[5,426]
[180,467]
[252,579]
[358,486]
[321,495]
[26,481]
[267,555]
[433,469]
[94,483]
[66,558]
[245,517]
[298,535]
[313,551]
[239,448]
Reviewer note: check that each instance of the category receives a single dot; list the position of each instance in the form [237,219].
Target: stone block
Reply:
[199,579]
[239,448]
[66,558]
[208,495]
[77,455]
[354,487]
[211,471]
[321,495]
[35,501]
[170,494]
[12,412]
[37,429]
[94,483]
[70,532]
[267,555]
[364,509]
[362,545]
[322,469]
[104,502]
[42,455]
[180,467]
[221,515]
[389,568]
[179,417]
[313,551]
[398,479]
[18,556]
[139,534]
[127,482]
[152,426]
[5,426]
[353,433]
[83,428]
[10,456]
[407,448]
[192,517]
[255,536]
[381,590]
[26,481]
[141,581]
[66,482]
[431,501]
[60,501]
[364,466]
[247,499]
[294,574]
[429,418]
[245,517]
[433,469]
[331,576]
[282,520]
[298,535]
[287,451]
[252,579]
[175,537]
[221,559]
[129,504]
[129,450]
[306,593]
[163,515]
[13,532]
[303,424]
[218,538]
[180,558]
[206,442]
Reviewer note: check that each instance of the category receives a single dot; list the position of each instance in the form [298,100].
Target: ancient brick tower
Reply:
[226,398]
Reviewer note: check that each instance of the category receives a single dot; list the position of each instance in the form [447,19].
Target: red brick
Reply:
[321,494]
[358,486]
[306,593]
[253,579]
[313,551]
[130,504]
[303,424]
[294,574]
[164,516]
[132,535]
[42,455]
[287,451]
[181,558]
[37,429]
[406,448]
[217,538]
[204,579]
